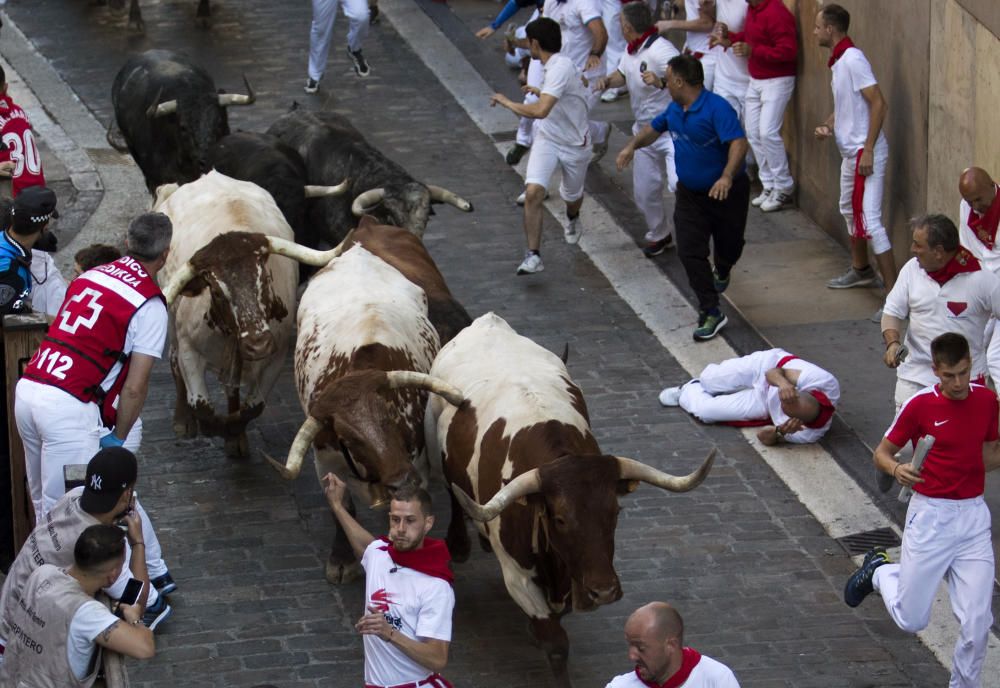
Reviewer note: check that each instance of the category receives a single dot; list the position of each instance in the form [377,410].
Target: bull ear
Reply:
[195,286]
[627,486]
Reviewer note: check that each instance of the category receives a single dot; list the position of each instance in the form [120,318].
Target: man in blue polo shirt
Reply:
[713,192]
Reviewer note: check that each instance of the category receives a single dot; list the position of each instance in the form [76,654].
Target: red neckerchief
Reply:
[431,559]
[825,410]
[963,261]
[860,230]
[633,46]
[985,226]
[689,660]
[840,49]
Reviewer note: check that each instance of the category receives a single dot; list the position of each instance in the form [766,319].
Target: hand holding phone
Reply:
[126,608]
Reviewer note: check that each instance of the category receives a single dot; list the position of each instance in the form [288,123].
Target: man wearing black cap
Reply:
[31,214]
[105,498]
[92,368]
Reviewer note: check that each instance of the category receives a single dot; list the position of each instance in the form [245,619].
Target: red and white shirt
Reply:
[19,146]
[963,304]
[647,101]
[812,379]
[707,673]
[415,604]
[954,466]
[988,255]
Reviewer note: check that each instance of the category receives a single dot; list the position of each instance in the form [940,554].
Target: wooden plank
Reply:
[21,336]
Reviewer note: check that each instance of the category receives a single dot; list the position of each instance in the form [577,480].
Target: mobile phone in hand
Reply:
[132,590]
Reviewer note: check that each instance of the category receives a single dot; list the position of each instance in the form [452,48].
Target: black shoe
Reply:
[164,584]
[156,613]
[515,154]
[859,586]
[709,325]
[358,60]
[311,86]
[655,248]
[373,15]
[720,283]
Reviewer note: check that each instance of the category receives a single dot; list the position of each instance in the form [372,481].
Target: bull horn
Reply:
[409,378]
[304,254]
[630,469]
[178,281]
[442,195]
[115,138]
[313,191]
[227,99]
[521,486]
[297,452]
[158,109]
[366,200]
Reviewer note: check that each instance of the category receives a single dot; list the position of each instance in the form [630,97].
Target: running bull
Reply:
[361,359]
[543,494]
[334,150]
[168,113]
[238,296]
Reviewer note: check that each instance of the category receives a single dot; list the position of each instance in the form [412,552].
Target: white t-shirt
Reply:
[90,620]
[577,41]
[989,257]
[730,68]
[146,334]
[566,122]
[696,41]
[811,378]
[709,673]
[647,101]
[48,288]
[962,305]
[415,604]
[851,74]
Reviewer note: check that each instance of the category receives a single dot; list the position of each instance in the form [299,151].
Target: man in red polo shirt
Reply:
[947,531]
[769,41]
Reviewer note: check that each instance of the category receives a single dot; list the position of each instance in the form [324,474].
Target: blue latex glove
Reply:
[111,440]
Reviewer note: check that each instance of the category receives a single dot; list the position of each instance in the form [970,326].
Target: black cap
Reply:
[109,474]
[32,209]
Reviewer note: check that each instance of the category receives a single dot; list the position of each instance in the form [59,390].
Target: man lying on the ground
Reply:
[793,399]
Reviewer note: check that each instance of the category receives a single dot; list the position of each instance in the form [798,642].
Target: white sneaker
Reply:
[613,94]
[776,201]
[573,230]
[520,199]
[764,195]
[671,396]
[531,264]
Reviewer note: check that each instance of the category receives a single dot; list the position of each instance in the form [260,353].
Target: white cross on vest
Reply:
[83,314]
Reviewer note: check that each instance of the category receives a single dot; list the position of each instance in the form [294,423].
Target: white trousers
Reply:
[324,12]
[708,69]
[652,166]
[872,204]
[765,111]
[725,391]
[904,390]
[949,539]
[735,94]
[526,126]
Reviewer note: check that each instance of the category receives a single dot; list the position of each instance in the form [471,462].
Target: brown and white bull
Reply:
[542,492]
[363,350]
[235,317]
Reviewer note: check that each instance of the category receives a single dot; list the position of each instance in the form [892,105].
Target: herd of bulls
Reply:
[392,373]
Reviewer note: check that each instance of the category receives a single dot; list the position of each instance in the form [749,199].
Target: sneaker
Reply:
[601,147]
[520,199]
[709,325]
[156,614]
[164,584]
[764,195]
[721,284]
[776,201]
[853,278]
[884,481]
[876,317]
[612,94]
[311,86]
[515,154]
[655,248]
[531,264]
[358,60]
[859,586]
[573,230]
[671,396]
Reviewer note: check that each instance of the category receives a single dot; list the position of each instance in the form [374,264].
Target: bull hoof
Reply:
[340,573]
[484,542]
[237,447]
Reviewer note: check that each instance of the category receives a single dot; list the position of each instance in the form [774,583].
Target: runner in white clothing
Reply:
[409,600]
[943,289]
[561,138]
[856,123]
[731,74]
[642,71]
[979,217]
[655,636]
[793,399]
[698,23]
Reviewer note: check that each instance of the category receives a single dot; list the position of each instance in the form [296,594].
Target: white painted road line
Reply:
[818,481]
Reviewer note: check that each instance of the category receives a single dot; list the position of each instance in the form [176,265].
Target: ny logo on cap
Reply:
[95,482]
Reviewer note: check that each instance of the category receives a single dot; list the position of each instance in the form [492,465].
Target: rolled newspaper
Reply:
[924,445]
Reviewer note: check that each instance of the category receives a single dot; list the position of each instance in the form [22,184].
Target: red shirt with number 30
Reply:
[19,146]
